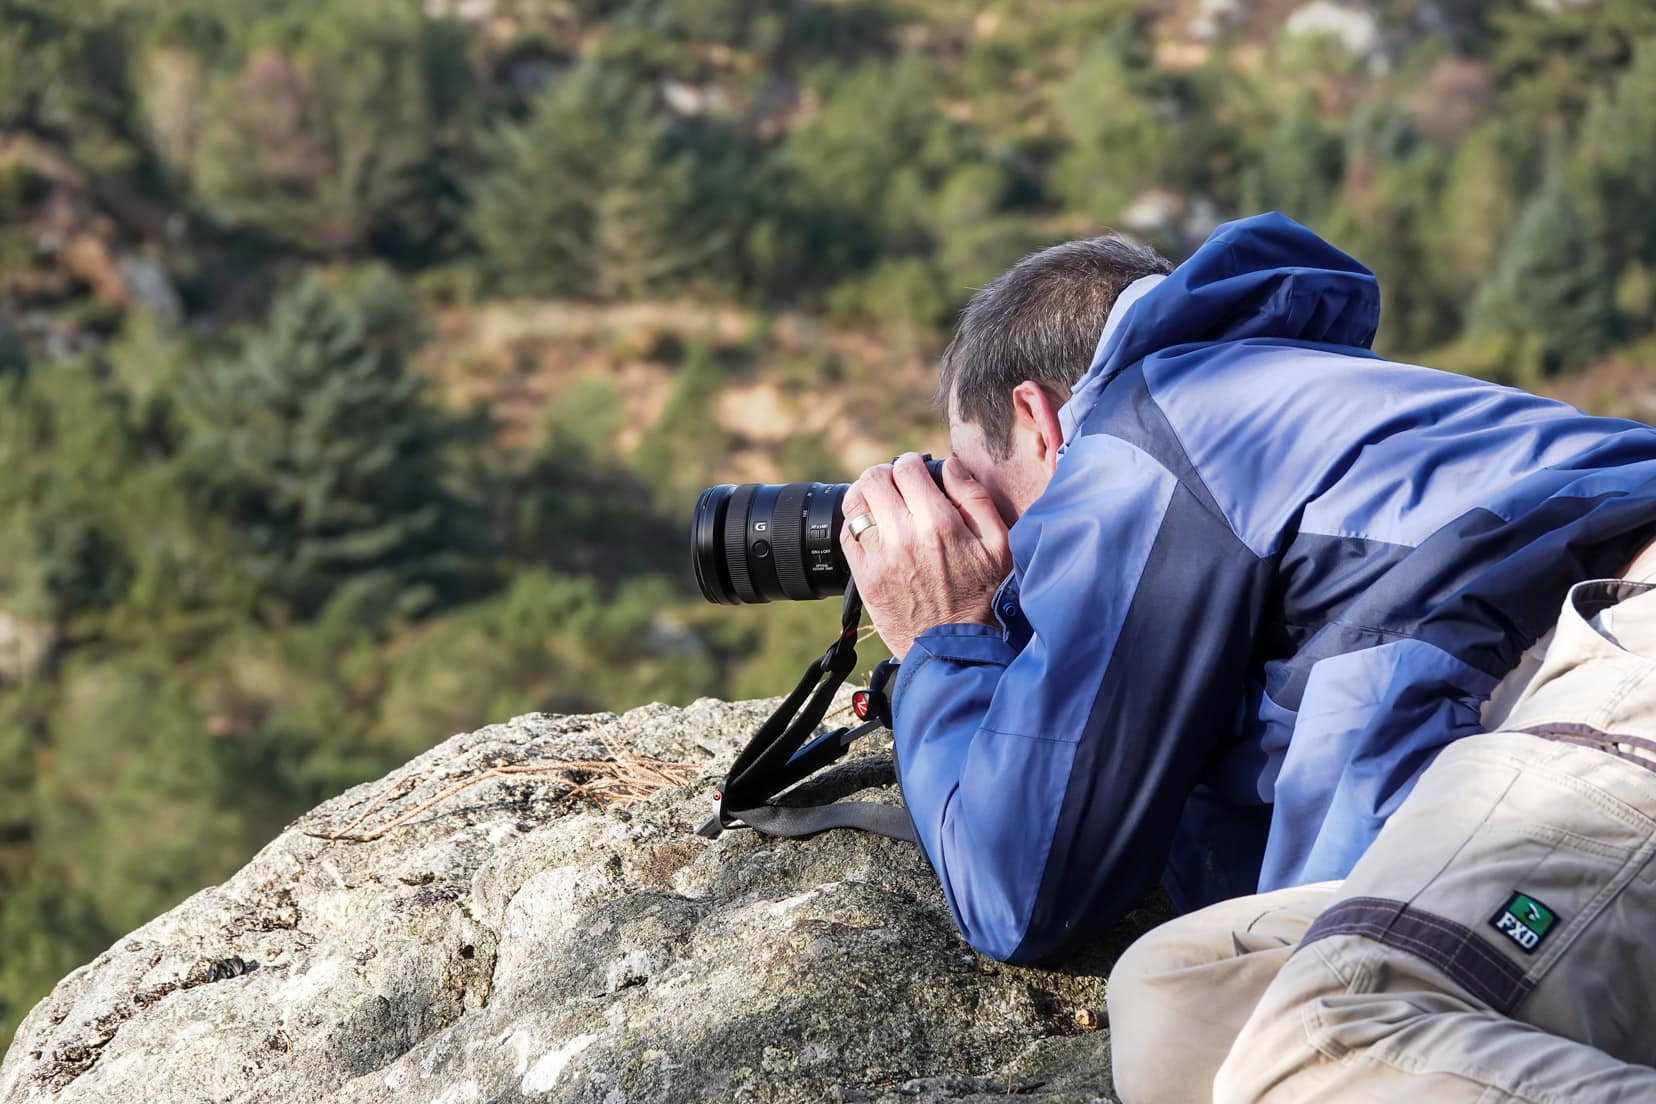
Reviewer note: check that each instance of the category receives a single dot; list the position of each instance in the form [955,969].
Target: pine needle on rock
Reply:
[621,778]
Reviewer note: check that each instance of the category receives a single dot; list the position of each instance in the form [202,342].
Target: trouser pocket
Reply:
[1526,881]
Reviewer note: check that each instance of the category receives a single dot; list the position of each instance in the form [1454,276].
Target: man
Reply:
[1206,610]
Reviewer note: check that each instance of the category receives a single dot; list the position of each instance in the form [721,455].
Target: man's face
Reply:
[1005,479]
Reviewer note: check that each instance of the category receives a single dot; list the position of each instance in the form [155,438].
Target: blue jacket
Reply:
[1273,575]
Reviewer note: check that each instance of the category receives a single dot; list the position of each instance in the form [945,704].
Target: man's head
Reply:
[1023,341]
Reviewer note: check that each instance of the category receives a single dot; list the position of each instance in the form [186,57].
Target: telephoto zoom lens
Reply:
[765,542]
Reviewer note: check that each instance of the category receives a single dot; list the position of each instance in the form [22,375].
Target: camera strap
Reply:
[783,752]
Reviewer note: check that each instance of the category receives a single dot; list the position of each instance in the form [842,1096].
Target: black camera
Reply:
[760,542]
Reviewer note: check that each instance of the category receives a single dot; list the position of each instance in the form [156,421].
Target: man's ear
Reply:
[1034,411]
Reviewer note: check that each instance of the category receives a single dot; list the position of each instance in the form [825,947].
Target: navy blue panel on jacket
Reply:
[1273,575]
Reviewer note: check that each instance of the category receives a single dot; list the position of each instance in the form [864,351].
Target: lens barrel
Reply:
[764,542]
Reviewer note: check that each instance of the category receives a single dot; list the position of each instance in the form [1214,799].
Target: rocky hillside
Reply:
[856,395]
[515,941]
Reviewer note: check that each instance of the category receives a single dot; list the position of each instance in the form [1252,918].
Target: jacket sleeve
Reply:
[1045,782]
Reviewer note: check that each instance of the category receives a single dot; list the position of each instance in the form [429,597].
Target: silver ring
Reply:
[860,524]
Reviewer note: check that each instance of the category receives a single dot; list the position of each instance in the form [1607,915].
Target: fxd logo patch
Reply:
[1525,921]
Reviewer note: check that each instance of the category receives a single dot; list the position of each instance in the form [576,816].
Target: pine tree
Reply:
[332,135]
[67,456]
[13,357]
[1478,208]
[638,224]
[320,447]
[1552,285]
[593,197]
[1615,162]
[1295,171]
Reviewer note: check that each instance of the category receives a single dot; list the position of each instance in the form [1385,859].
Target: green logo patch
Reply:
[1525,921]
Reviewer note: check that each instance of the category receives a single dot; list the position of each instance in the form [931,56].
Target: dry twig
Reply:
[398,790]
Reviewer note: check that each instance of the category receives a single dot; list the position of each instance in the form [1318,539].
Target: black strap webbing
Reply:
[891,821]
[779,756]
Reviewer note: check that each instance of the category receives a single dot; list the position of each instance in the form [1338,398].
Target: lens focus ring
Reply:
[735,542]
[788,530]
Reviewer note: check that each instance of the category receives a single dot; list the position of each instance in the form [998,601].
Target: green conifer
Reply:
[1552,286]
[320,446]
[593,196]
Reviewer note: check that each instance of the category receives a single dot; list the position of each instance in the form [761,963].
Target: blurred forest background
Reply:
[360,359]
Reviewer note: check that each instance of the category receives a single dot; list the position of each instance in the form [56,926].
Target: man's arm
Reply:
[1045,783]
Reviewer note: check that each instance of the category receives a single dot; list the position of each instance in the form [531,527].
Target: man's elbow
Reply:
[1033,936]
[994,945]
[1010,935]
[988,921]
[1021,948]
[995,895]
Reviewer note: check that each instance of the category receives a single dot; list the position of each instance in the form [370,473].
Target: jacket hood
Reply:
[1265,276]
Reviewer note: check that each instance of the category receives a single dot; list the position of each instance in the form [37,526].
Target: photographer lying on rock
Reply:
[1356,657]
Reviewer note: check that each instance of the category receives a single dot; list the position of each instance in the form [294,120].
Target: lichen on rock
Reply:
[514,944]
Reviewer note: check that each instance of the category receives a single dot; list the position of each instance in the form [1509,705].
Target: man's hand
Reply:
[930,558]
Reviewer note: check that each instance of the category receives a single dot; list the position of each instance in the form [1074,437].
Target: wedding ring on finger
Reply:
[860,524]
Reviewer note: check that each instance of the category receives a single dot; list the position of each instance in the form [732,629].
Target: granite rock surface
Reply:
[516,943]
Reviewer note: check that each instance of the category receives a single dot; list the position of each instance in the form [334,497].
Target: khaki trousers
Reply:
[1410,980]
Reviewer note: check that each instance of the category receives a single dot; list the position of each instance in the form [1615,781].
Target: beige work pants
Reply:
[1411,981]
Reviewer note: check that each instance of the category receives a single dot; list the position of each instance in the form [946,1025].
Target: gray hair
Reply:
[1039,320]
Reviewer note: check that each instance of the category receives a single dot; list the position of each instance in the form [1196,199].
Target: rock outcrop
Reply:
[515,943]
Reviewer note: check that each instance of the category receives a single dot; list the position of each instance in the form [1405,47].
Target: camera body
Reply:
[761,542]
